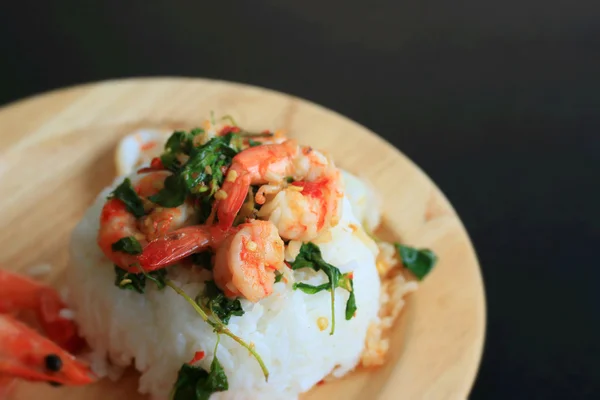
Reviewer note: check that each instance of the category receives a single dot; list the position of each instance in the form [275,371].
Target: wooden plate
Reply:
[56,154]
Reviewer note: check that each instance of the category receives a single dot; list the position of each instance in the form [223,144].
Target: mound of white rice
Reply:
[158,331]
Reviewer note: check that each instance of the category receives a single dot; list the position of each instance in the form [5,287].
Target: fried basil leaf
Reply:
[278,276]
[219,305]
[418,261]
[137,282]
[129,197]
[201,175]
[310,257]
[194,383]
[129,245]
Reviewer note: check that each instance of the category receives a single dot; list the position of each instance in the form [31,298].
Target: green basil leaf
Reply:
[310,257]
[129,197]
[129,245]
[137,282]
[278,276]
[351,303]
[194,383]
[125,280]
[253,143]
[205,165]
[310,289]
[201,175]
[219,305]
[216,381]
[173,194]
[180,142]
[158,277]
[418,261]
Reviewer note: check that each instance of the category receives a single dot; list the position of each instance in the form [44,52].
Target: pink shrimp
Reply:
[20,293]
[179,244]
[247,256]
[246,262]
[117,222]
[26,354]
[305,208]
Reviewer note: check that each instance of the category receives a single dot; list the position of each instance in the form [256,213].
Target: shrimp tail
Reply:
[26,354]
[178,245]
[236,191]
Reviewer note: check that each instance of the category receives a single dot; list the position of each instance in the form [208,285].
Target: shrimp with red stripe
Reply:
[246,256]
[24,352]
[117,221]
[300,210]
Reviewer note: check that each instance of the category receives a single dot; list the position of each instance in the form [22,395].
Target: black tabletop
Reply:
[496,100]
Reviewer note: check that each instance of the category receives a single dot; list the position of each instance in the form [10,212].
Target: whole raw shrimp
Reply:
[117,222]
[25,353]
[301,210]
[247,255]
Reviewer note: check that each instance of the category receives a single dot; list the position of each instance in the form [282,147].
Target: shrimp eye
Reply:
[53,362]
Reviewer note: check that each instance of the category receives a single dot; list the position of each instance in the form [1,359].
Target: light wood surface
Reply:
[56,154]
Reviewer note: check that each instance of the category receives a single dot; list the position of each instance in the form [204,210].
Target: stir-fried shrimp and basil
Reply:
[224,200]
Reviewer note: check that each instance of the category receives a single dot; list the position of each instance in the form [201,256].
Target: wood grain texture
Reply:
[56,154]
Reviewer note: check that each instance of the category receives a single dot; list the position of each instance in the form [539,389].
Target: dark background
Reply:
[496,100]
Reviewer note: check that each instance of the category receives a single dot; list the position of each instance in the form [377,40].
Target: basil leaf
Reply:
[351,303]
[310,289]
[201,175]
[180,142]
[158,277]
[219,305]
[125,280]
[129,245]
[216,381]
[205,165]
[173,194]
[137,282]
[129,197]
[310,257]
[418,261]
[185,386]
[253,143]
[278,276]
[194,383]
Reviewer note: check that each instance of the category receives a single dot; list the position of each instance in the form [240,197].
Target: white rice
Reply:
[157,332]
[39,270]
[366,204]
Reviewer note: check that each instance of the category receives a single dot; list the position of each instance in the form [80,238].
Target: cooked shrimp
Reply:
[18,293]
[117,222]
[26,354]
[246,256]
[246,262]
[304,209]
[179,244]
